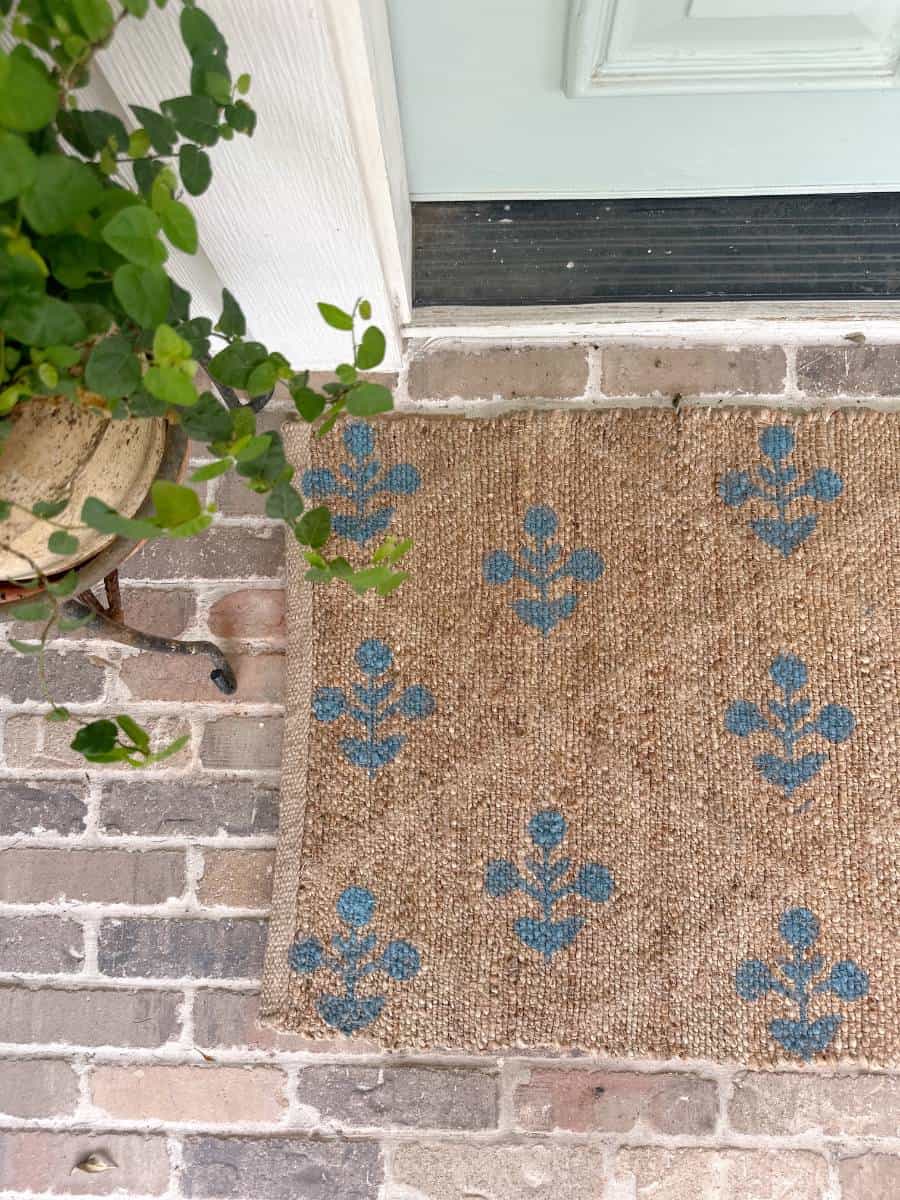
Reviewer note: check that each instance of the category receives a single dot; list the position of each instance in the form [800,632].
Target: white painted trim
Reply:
[725,322]
[660,193]
[361,44]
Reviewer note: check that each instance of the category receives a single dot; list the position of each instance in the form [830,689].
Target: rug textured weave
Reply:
[617,767]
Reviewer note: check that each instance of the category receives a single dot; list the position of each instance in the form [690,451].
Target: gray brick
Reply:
[189,808]
[849,371]
[40,945]
[71,677]
[467,1171]
[37,1087]
[280,1168]
[107,876]
[794,1103]
[184,947]
[870,1177]
[694,371]
[235,742]
[515,373]
[400,1097]
[88,1016]
[32,742]
[223,552]
[41,807]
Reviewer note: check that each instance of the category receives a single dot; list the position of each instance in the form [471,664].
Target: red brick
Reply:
[796,1103]
[211,1094]
[619,1101]
[658,1174]
[88,1016]
[512,372]
[37,1087]
[237,878]
[870,1177]
[40,945]
[109,876]
[694,371]
[249,613]
[32,742]
[236,743]
[151,676]
[37,1161]
[223,552]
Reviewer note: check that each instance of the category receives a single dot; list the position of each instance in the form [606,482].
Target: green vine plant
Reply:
[89,314]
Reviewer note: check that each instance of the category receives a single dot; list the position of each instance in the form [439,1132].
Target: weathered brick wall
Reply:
[132,917]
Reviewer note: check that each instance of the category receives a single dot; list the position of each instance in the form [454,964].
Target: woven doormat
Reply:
[617,768]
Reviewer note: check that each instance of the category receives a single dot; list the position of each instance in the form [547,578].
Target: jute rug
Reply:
[617,767]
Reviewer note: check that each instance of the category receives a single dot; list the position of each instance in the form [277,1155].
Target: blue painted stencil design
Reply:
[370,705]
[363,480]
[542,566]
[546,887]
[354,960]
[787,723]
[800,979]
[776,484]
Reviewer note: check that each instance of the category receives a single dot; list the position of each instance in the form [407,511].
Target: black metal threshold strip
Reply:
[518,252]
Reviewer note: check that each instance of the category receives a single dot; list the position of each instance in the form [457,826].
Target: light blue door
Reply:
[543,98]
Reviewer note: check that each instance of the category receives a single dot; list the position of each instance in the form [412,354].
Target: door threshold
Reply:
[722,321]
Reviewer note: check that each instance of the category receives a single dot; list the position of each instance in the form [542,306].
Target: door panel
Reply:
[641,98]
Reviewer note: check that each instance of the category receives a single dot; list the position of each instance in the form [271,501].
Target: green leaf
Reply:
[233,365]
[195,117]
[367,399]
[62,190]
[208,420]
[135,732]
[42,321]
[5,510]
[159,129]
[19,275]
[335,317]
[58,714]
[142,404]
[241,117]
[48,509]
[143,292]
[132,232]
[95,17]
[243,84]
[90,130]
[212,470]
[172,385]
[217,86]
[97,738]
[284,502]
[370,351]
[28,99]
[196,169]
[179,226]
[314,527]
[113,368]
[64,586]
[139,143]
[196,333]
[32,610]
[198,31]
[172,748]
[262,379]
[137,8]
[18,166]
[61,542]
[25,647]
[104,519]
[365,309]
[253,448]
[174,503]
[232,322]
[168,348]
[309,404]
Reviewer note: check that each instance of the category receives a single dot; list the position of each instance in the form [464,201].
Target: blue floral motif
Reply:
[363,480]
[806,977]
[592,882]
[370,706]
[353,962]
[777,485]
[787,724]
[541,568]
